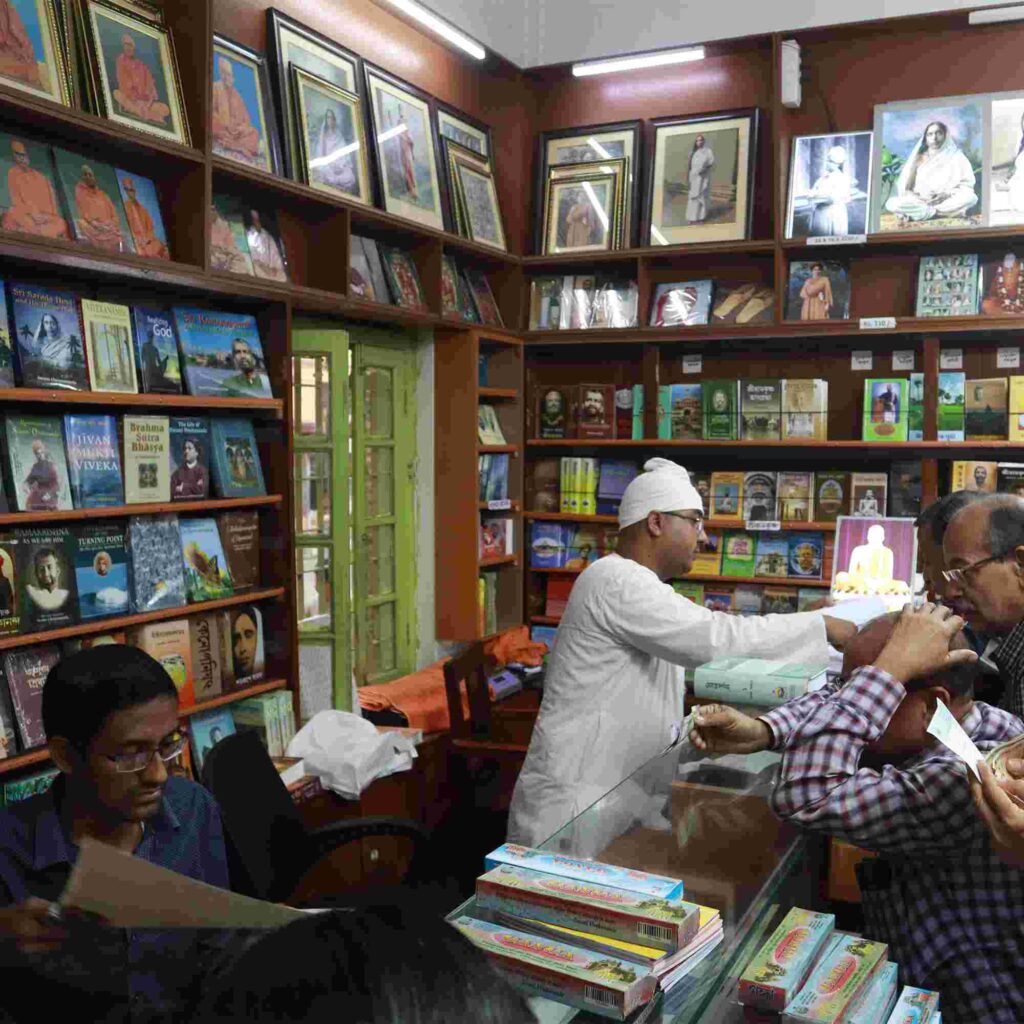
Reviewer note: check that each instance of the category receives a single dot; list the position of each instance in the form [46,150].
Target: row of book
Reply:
[992,477]
[50,338]
[492,476]
[487,603]
[52,463]
[206,655]
[979,409]
[750,598]
[270,715]
[55,576]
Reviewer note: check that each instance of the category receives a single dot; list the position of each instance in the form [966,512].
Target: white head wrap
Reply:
[663,486]
[837,154]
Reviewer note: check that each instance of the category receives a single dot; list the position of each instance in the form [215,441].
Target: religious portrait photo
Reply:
[829,185]
[478,198]
[29,203]
[1006,160]
[818,290]
[92,198]
[266,249]
[332,140]
[948,285]
[928,157]
[403,278]
[875,556]
[243,126]
[700,180]
[406,158]
[229,245]
[457,127]
[580,213]
[136,73]
[1003,286]
[142,210]
[366,276]
[30,50]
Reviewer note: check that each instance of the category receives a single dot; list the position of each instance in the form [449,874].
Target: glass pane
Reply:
[380,630]
[380,481]
[377,400]
[316,678]
[313,501]
[380,561]
[313,395]
[313,582]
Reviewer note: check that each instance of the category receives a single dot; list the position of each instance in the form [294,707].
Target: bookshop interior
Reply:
[565,563]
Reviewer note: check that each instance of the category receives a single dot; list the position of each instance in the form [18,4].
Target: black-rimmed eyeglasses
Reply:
[961,575]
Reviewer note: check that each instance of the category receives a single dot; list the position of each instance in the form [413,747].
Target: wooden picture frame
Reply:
[467,131]
[290,42]
[739,195]
[611,174]
[24,72]
[461,167]
[255,91]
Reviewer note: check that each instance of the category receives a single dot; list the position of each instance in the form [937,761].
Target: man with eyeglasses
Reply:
[613,691]
[111,719]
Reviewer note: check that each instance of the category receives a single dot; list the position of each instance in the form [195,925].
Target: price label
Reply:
[951,359]
[837,240]
[693,364]
[501,505]
[861,359]
[903,359]
[877,323]
[1008,358]
[763,525]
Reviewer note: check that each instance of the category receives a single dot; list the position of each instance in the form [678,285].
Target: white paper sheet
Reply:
[948,731]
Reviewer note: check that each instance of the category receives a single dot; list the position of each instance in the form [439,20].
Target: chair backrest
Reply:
[265,836]
[471,667]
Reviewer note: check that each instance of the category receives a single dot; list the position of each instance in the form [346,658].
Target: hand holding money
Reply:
[999,797]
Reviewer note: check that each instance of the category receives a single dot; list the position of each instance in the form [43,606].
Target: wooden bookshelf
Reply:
[709,524]
[211,507]
[952,449]
[209,403]
[493,563]
[498,393]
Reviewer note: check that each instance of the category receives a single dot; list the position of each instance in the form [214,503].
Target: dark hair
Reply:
[820,266]
[383,965]
[924,143]
[42,554]
[82,691]
[939,514]
[1005,523]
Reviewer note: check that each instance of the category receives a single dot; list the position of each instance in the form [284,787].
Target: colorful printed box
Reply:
[568,974]
[875,1003]
[597,909]
[782,964]
[916,1006]
[837,979]
[585,870]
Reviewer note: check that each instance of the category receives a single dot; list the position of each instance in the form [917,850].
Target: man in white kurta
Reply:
[613,693]
[831,195]
[702,159]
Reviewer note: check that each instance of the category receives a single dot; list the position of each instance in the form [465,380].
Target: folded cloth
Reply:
[515,645]
[420,696]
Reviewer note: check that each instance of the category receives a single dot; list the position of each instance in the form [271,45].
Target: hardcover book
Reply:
[726,495]
[915,407]
[985,409]
[207,577]
[885,410]
[759,503]
[708,559]
[204,639]
[805,410]
[240,537]
[26,670]
[950,412]
[974,476]
[831,495]
[596,418]
[156,351]
[101,570]
[772,555]
[108,338]
[147,476]
[46,578]
[93,460]
[614,477]
[806,555]
[554,412]
[9,614]
[142,211]
[720,399]
[556,595]
[905,488]
[6,347]
[760,410]
[1011,478]
[235,458]
[93,198]
[34,463]
[158,578]
[868,492]
[778,601]
[206,730]
[796,497]
[746,599]
[47,329]
[685,412]
[548,545]
[190,457]
[247,647]
[168,643]
[738,549]
[8,720]
[948,285]
[221,353]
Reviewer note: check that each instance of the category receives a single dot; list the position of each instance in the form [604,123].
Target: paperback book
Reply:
[26,670]
[91,195]
[746,599]
[247,645]
[596,417]
[47,329]
[796,497]
[986,405]
[1011,478]
[760,410]
[189,439]
[720,399]
[804,410]
[915,407]
[147,476]
[168,643]
[905,488]
[6,348]
[548,543]
[738,549]
[206,730]
[158,579]
[613,479]
[488,427]
[207,577]
[493,472]
[718,598]
[759,504]
[46,578]
[482,298]
[778,600]
[726,495]
[235,458]
[34,463]
[204,640]
[806,555]
[156,351]
[708,558]
[240,538]
[221,353]
[685,412]
[554,413]
[8,720]
[94,464]
[9,615]
[772,556]
[101,570]
[885,410]
[868,493]
[108,337]
[974,476]
[950,412]
[1015,419]
[831,495]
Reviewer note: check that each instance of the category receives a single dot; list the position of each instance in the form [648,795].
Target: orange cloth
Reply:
[139,220]
[17,58]
[136,90]
[420,696]
[34,207]
[515,645]
[232,127]
[97,217]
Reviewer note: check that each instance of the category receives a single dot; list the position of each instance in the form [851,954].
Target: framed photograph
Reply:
[948,285]
[28,190]
[229,247]
[818,290]
[684,304]
[1006,159]
[406,159]
[473,183]
[701,179]
[266,250]
[136,72]
[472,134]
[581,212]
[244,127]
[874,556]
[590,144]
[483,297]
[455,298]
[332,139]
[142,209]
[367,279]
[1003,287]
[92,197]
[32,57]
[829,185]
[291,43]
[403,278]
[929,170]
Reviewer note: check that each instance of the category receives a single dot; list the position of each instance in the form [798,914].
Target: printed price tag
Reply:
[693,364]
[1008,358]
[837,240]
[877,323]
[903,359]
[951,359]
[861,359]
[501,505]
[764,525]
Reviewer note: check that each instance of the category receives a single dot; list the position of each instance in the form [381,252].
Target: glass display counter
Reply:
[708,822]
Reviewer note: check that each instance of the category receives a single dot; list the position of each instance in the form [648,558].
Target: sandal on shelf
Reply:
[761,300]
[734,300]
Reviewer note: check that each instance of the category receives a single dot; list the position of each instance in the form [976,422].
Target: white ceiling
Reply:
[532,33]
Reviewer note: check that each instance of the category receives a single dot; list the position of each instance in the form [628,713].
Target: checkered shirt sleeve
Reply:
[1009,657]
[784,720]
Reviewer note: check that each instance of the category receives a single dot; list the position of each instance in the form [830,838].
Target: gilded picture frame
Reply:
[39,68]
[582,212]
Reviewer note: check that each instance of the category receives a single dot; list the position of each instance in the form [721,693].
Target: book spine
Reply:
[638,412]
[564,504]
[725,686]
[664,412]
[1016,404]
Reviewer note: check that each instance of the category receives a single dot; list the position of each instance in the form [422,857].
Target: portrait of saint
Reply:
[31,206]
[248,380]
[247,642]
[1005,293]
[265,248]
[579,215]
[189,478]
[96,218]
[237,114]
[818,290]
[828,186]
[1006,193]
[226,252]
[139,198]
[41,484]
[28,49]
[46,590]
[699,177]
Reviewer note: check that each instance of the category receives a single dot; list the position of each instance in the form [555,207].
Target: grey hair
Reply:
[1005,523]
[939,514]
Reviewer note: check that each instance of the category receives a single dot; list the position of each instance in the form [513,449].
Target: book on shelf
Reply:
[25,670]
[707,560]
[10,617]
[746,599]
[629,412]
[207,576]
[808,599]
[262,715]
[206,730]
[240,537]
[94,462]
[583,546]
[246,624]
[403,278]
[556,595]
[482,297]
[108,342]
[831,495]
[8,720]
[27,786]
[543,480]
[795,497]
[804,410]
[986,404]
[226,646]
[759,501]
[35,466]
[206,653]
[189,450]
[1010,478]
[47,594]
[702,484]
[596,405]
[772,556]
[905,488]
[235,458]
[168,643]
[1015,419]
[806,555]
[221,353]
[974,476]
[158,577]
[760,410]
[726,495]
[885,409]
[91,195]
[948,285]
[720,402]
[719,598]
[738,554]
[48,336]
[586,486]
[950,406]
[493,475]
[7,377]
[690,589]
[497,538]
[489,430]
[488,622]
[680,412]
[554,412]
[156,351]
[614,476]
[778,600]
[147,475]
[548,544]
[915,407]
[101,570]
[868,494]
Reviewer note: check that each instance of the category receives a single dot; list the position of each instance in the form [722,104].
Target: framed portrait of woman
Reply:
[31,54]
[700,182]
[244,127]
[332,141]
[406,158]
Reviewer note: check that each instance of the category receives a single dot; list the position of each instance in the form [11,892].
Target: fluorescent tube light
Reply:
[643,60]
[441,27]
[991,15]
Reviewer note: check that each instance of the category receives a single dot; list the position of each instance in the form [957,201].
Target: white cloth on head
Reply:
[663,486]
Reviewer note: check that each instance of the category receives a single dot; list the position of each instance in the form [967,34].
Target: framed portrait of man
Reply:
[929,165]
[29,204]
[700,181]
[583,211]
[829,185]
[31,55]
[136,72]
[243,126]
[229,244]
[266,248]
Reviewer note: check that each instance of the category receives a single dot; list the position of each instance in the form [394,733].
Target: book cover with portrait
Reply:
[35,466]
[9,615]
[48,337]
[101,570]
[221,353]
[247,644]
[190,457]
[45,573]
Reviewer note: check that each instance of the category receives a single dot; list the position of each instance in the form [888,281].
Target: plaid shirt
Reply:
[1009,656]
[951,911]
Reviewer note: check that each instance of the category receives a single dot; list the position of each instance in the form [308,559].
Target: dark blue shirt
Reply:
[144,969]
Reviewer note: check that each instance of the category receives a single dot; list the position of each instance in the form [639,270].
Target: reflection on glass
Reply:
[380,560]
[313,587]
[380,482]
[377,399]
[313,500]
[313,395]
[380,630]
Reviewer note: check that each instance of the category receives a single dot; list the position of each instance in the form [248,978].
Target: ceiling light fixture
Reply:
[991,15]
[643,60]
[440,26]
